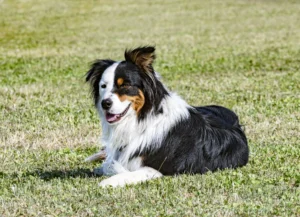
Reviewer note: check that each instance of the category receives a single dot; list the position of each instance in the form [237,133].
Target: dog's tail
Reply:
[101,155]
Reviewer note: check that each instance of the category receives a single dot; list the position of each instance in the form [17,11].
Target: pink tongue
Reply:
[111,117]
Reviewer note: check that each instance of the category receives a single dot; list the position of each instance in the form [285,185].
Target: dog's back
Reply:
[221,114]
[210,139]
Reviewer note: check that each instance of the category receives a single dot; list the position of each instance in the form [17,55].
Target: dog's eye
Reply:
[103,86]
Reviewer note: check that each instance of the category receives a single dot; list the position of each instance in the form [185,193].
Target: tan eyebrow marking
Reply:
[120,81]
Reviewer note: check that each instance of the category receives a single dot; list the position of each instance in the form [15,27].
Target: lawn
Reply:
[241,54]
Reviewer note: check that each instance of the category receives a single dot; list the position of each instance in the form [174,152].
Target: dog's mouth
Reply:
[113,118]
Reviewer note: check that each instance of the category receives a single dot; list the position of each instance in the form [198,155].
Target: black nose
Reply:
[106,103]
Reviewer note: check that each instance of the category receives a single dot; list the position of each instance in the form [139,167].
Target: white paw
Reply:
[122,179]
[113,182]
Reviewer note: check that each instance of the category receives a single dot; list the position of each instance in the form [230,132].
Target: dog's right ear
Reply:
[97,69]
[94,75]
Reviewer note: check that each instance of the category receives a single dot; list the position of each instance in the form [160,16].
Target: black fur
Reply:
[137,79]
[210,139]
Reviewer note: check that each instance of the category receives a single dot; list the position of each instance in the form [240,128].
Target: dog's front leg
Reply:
[126,178]
[109,168]
[112,167]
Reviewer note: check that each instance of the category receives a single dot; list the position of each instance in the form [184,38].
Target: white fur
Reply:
[139,135]
[107,93]
[122,179]
[130,135]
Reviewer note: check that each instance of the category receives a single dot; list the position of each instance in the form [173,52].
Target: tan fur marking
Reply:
[137,101]
[144,60]
[120,81]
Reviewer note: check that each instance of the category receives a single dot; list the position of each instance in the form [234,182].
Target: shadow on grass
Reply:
[65,174]
[55,174]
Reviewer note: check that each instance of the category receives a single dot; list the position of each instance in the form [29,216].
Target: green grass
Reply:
[241,54]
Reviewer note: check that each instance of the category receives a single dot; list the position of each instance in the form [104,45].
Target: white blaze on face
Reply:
[106,87]
[107,80]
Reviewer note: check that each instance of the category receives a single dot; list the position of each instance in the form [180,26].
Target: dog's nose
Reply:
[106,103]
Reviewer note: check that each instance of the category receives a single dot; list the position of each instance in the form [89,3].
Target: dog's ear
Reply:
[143,57]
[94,75]
[96,70]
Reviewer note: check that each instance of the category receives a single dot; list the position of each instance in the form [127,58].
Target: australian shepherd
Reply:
[148,131]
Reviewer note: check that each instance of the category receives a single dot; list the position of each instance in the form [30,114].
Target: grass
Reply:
[241,54]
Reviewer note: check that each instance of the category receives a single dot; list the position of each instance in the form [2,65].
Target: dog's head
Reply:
[129,87]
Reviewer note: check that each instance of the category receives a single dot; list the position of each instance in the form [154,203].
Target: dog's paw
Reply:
[129,178]
[113,182]
[98,171]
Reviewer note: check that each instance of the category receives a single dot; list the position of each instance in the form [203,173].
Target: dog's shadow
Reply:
[65,174]
[59,174]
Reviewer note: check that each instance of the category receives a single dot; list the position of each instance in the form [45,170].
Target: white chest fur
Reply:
[132,136]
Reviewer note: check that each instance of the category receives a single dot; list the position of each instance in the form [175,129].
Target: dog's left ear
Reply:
[143,57]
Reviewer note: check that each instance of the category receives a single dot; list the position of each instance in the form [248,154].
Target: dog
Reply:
[149,131]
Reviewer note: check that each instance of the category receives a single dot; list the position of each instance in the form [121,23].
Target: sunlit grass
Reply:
[244,55]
